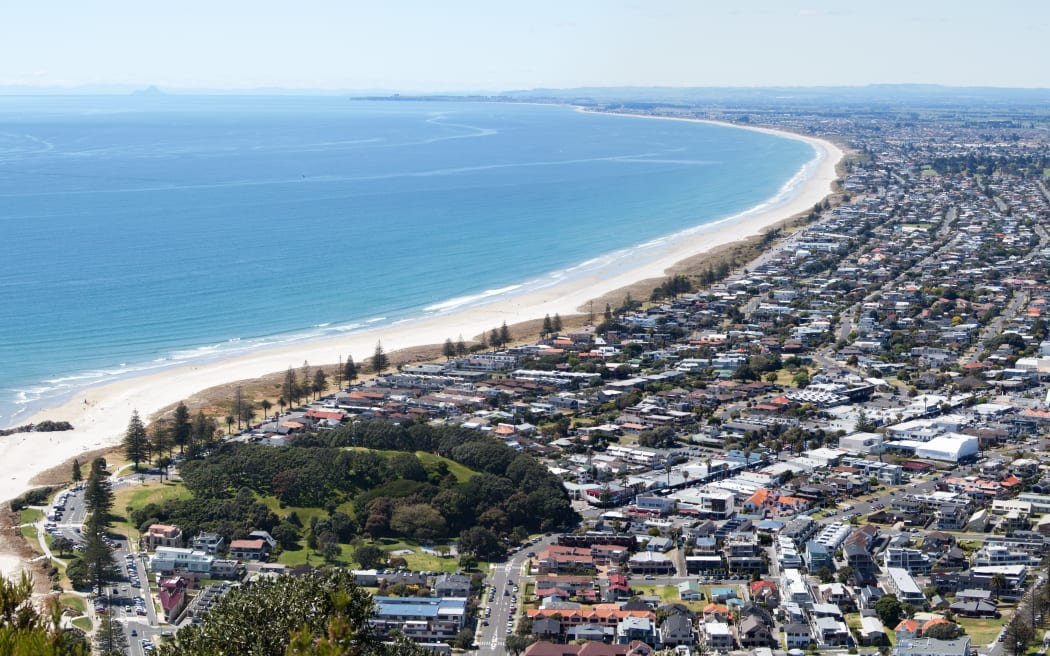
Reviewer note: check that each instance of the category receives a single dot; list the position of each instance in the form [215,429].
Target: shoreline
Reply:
[100,414]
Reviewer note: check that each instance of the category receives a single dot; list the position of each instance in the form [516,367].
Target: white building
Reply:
[862,443]
[952,447]
[904,586]
[794,589]
[177,559]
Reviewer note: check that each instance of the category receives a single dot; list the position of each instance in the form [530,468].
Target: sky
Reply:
[497,45]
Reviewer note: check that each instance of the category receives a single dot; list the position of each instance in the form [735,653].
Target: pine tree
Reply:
[461,347]
[556,323]
[98,497]
[548,327]
[135,441]
[77,476]
[380,361]
[203,430]
[350,370]
[449,349]
[320,382]
[180,428]
[504,334]
[290,388]
[494,338]
[160,437]
[307,377]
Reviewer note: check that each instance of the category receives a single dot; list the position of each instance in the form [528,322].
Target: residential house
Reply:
[161,535]
[256,549]
[752,632]
[831,632]
[631,629]
[210,543]
[452,585]
[677,629]
[716,636]
[797,636]
[173,597]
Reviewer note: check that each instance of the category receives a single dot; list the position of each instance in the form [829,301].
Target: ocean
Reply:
[146,232]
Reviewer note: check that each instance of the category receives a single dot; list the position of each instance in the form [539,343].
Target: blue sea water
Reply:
[145,232]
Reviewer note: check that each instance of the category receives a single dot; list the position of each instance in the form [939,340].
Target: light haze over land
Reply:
[484,46]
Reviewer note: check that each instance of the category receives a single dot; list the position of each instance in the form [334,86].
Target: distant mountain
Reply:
[148,91]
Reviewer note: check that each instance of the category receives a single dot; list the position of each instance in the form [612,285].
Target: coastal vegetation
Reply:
[46,426]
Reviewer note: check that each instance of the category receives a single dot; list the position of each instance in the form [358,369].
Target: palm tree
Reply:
[229,424]
[281,402]
[997,583]
[266,405]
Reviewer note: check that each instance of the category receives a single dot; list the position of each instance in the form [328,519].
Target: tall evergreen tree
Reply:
[556,323]
[380,361]
[320,382]
[504,334]
[180,426]
[306,381]
[449,349]
[350,370]
[290,388]
[135,441]
[160,437]
[77,476]
[98,497]
[548,327]
[461,347]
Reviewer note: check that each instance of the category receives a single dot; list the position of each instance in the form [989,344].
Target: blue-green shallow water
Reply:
[141,233]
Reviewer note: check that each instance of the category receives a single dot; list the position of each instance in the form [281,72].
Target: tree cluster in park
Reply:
[394,495]
[321,613]
[156,445]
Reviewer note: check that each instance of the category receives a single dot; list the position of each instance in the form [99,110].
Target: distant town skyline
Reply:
[469,45]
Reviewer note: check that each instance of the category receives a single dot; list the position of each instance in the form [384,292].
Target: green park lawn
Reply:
[461,472]
[30,516]
[983,630]
[83,623]
[139,496]
[76,602]
[417,560]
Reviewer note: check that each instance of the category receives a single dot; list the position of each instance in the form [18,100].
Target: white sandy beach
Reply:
[101,414]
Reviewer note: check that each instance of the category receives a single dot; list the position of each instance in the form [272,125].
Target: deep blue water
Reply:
[143,232]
